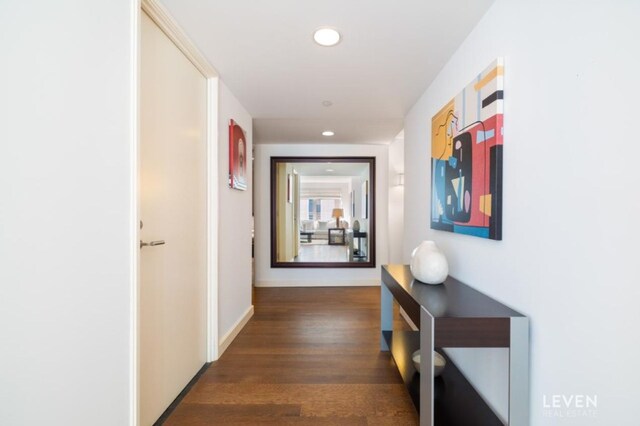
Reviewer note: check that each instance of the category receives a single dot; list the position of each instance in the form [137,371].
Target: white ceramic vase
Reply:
[428,263]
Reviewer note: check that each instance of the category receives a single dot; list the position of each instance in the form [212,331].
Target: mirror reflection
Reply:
[322,212]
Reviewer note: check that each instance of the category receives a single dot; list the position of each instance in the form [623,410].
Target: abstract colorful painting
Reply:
[237,157]
[466,158]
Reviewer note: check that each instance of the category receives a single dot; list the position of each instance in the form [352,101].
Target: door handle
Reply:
[152,243]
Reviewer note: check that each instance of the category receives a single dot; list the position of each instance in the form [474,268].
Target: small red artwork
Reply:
[237,157]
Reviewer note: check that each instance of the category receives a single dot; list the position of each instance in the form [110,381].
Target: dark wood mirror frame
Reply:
[371,263]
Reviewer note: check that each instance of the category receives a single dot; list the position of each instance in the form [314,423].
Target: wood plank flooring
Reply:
[309,356]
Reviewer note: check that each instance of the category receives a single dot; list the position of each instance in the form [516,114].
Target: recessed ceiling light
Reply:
[328,133]
[330,170]
[327,103]
[326,37]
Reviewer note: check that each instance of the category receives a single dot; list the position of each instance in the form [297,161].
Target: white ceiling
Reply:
[338,169]
[389,53]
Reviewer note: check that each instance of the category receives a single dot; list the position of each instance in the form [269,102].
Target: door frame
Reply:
[161,17]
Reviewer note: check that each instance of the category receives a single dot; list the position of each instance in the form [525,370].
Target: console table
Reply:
[453,315]
[362,253]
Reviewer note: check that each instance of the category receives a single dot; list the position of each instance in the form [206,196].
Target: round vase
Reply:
[428,263]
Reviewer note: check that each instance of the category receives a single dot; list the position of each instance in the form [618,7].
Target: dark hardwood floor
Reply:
[309,356]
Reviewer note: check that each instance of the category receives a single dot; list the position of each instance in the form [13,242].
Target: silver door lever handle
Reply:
[152,243]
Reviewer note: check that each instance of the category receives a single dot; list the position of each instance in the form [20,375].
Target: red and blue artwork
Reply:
[466,158]
[237,157]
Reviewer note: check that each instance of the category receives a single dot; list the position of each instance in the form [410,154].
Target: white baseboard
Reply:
[237,328]
[319,283]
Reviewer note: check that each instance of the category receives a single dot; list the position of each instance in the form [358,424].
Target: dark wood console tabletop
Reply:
[453,315]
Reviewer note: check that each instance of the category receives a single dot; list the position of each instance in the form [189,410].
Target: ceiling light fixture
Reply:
[330,170]
[326,37]
[328,133]
[327,103]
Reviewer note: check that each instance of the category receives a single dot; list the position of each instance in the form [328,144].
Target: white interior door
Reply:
[173,209]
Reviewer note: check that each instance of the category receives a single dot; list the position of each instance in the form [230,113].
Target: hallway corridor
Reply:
[309,356]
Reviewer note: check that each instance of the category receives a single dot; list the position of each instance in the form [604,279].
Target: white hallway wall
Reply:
[267,276]
[234,266]
[568,259]
[396,200]
[66,224]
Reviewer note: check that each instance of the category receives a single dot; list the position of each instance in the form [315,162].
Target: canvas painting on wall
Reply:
[365,199]
[353,203]
[466,158]
[237,157]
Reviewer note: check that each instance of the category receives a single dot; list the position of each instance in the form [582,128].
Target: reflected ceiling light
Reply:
[327,103]
[330,170]
[328,133]
[326,37]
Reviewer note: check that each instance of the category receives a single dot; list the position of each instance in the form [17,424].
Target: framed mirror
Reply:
[323,212]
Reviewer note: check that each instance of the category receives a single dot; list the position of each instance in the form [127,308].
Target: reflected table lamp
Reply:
[337,213]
